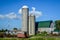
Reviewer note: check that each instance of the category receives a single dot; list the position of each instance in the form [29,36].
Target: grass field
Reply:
[33,38]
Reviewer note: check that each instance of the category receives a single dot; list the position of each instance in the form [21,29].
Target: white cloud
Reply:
[11,15]
[36,13]
[33,8]
[1,16]
[20,11]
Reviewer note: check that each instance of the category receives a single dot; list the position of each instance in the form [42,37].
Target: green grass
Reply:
[13,38]
[35,38]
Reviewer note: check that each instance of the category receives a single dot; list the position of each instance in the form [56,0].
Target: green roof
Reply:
[44,24]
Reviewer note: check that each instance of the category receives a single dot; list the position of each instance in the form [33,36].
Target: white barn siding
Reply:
[48,30]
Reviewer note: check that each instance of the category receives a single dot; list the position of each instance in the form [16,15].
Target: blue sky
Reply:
[50,10]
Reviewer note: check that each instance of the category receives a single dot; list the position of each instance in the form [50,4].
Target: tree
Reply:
[14,28]
[6,29]
[57,22]
[2,30]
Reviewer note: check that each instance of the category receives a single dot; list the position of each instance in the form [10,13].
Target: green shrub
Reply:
[42,34]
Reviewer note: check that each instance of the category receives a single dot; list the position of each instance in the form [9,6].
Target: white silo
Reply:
[25,18]
[32,24]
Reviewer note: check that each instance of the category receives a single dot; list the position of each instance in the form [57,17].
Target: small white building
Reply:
[56,31]
[12,32]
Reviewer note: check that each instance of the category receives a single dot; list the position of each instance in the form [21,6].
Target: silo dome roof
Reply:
[25,6]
